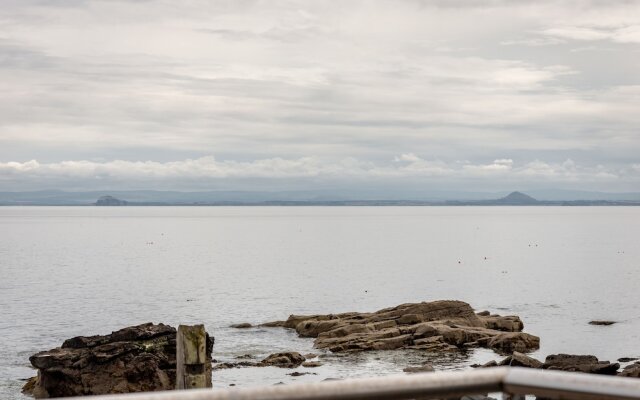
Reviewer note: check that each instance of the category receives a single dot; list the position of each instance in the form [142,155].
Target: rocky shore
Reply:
[143,357]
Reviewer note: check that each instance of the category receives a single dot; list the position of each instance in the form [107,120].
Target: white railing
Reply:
[512,381]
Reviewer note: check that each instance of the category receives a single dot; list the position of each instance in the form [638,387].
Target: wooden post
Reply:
[191,358]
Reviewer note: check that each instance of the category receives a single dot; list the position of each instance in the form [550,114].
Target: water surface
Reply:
[68,271]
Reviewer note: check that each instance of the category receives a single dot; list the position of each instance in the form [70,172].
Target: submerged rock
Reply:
[432,326]
[422,368]
[135,359]
[311,364]
[600,322]
[243,325]
[290,359]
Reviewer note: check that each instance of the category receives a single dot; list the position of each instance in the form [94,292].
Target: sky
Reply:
[242,95]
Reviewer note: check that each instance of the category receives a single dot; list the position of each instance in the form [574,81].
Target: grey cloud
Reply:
[295,80]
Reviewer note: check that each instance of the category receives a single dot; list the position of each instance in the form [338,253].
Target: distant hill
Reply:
[516,198]
[110,201]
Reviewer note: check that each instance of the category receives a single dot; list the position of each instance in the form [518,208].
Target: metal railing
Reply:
[514,382]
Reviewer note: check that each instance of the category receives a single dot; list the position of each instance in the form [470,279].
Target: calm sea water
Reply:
[68,271]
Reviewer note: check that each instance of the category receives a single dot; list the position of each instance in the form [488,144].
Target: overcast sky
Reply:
[240,94]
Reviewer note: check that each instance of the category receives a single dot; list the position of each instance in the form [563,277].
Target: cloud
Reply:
[627,34]
[360,82]
[208,169]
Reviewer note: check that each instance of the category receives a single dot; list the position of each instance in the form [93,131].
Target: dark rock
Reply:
[290,359]
[296,373]
[580,363]
[631,370]
[134,359]
[309,356]
[600,322]
[422,368]
[627,359]
[243,325]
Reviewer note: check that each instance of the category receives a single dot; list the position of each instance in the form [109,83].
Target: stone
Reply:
[311,364]
[290,359]
[436,326]
[489,364]
[506,343]
[134,359]
[510,323]
[631,370]
[243,325]
[580,363]
[296,373]
[423,368]
[627,359]
[520,360]
[601,322]
[309,356]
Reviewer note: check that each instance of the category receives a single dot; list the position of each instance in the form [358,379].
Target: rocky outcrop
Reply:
[580,363]
[432,326]
[135,359]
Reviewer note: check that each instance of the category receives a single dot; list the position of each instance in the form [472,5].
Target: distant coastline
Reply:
[67,199]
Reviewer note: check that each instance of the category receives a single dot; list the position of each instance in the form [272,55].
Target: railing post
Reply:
[191,357]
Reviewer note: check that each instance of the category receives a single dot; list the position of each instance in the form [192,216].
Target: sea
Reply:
[70,271]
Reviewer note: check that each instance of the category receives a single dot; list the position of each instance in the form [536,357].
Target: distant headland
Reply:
[310,198]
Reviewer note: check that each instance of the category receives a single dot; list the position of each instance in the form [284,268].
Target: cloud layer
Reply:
[204,172]
[294,88]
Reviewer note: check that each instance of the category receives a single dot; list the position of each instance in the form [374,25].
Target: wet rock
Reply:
[296,373]
[489,364]
[243,325]
[422,368]
[627,359]
[309,356]
[509,323]
[631,370]
[311,364]
[134,359]
[601,322]
[241,364]
[580,363]
[274,324]
[290,359]
[431,326]
[521,360]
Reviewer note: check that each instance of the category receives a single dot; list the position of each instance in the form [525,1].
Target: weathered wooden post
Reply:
[191,358]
